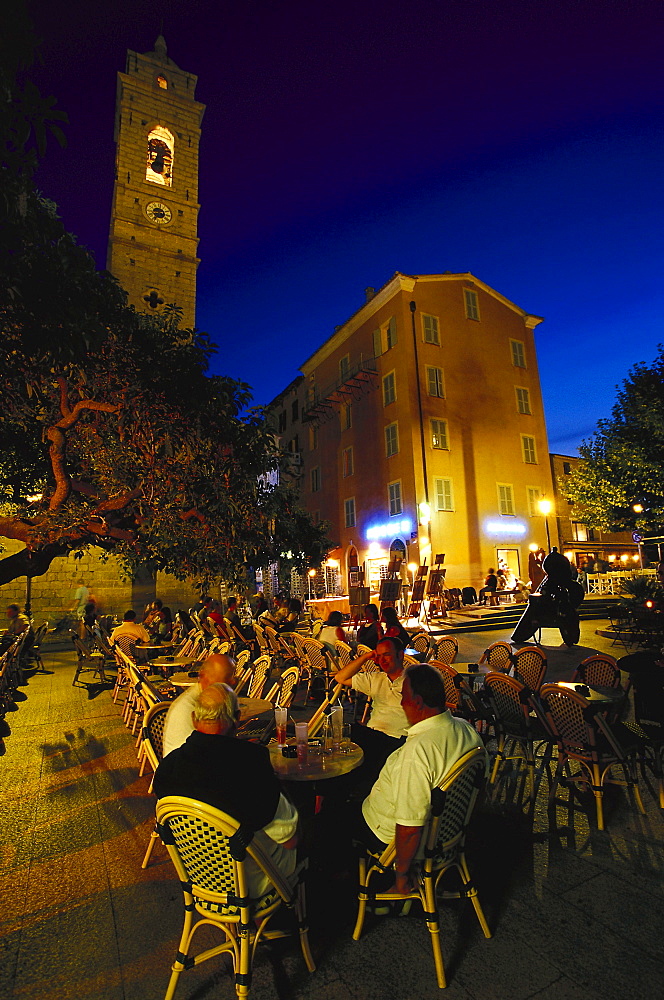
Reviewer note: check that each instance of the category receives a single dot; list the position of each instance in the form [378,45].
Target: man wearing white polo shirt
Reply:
[388,725]
[399,803]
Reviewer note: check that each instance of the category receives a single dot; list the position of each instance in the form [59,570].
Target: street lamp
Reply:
[545,510]
[638,509]
[311,574]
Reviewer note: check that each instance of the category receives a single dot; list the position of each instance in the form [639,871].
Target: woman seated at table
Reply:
[393,628]
[293,616]
[371,633]
[332,631]
[164,631]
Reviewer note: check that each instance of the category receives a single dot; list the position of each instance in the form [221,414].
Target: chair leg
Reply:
[472,895]
[301,911]
[154,837]
[430,907]
[361,901]
[598,793]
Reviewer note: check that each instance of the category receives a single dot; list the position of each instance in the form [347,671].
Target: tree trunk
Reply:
[27,563]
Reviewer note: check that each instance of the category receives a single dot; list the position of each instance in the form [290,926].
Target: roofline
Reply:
[406,282]
[284,392]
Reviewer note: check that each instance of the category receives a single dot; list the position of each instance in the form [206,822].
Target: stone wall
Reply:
[53,593]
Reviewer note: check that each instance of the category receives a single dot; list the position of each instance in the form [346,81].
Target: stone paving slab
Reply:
[576,913]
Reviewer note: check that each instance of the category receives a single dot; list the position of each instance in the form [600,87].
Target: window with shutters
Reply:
[471,303]
[315,480]
[528,448]
[344,367]
[391,439]
[394,498]
[505,498]
[518,349]
[389,389]
[347,462]
[346,416]
[313,438]
[349,512]
[522,399]
[533,500]
[430,331]
[443,492]
[439,434]
[435,383]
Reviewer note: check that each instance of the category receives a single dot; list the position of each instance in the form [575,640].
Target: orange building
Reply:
[418,428]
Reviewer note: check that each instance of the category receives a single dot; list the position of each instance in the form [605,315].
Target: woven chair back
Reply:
[498,655]
[452,806]
[314,652]
[241,661]
[421,642]
[262,641]
[344,653]
[530,667]
[452,691]
[600,671]
[287,687]
[127,645]
[258,676]
[153,729]
[446,649]
[568,718]
[509,699]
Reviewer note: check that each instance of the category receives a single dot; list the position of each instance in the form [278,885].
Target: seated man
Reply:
[217,669]
[18,624]
[388,723]
[128,634]
[399,803]
[234,776]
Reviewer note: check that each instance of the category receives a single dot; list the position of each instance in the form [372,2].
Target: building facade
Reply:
[578,541]
[418,429]
[153,242]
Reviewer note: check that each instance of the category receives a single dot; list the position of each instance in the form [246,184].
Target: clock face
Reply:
[158,213]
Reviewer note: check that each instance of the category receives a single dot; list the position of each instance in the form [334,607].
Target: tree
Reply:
[134,447]
[108,415]
[622,465]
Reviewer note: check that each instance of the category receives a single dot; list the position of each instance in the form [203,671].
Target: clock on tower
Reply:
[153,242]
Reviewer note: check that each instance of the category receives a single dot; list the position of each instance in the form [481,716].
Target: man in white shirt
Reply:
[178,725]
[128,634]
[399,803]
[388,725]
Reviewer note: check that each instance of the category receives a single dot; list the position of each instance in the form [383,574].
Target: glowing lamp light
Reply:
[388,530]
[612,558]
[424,509]
[544,507]
[312,572]
[36,498]
[376,550]
[637,508]
[650,604]
[413,567]
[423,540]
[624,558]
[570,556]
[332,563]
[635,558]
[533,546]
[500,528]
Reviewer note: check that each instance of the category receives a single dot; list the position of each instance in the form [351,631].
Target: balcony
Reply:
[355,382]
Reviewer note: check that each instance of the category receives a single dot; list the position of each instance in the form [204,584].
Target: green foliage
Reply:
[623,463]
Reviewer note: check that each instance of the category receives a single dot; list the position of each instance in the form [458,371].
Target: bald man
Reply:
[217,669]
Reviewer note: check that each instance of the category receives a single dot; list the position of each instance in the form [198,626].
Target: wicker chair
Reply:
[515,725]
[153,746]
[259,674]
[452,806]
[345,654]
[530,667]
[209,851]
[446,649]
[586,738]
[498,656]
[422,643]
[88,660]
[282,693]
[598,670]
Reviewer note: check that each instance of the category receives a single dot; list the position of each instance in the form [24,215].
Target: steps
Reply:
[475,619]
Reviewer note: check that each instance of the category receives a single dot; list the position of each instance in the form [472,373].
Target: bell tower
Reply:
[153,241]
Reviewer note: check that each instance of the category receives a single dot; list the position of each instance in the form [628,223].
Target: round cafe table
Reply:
[319,765]
[596,695]
[174,661]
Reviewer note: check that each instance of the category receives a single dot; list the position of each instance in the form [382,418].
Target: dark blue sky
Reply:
[344,141]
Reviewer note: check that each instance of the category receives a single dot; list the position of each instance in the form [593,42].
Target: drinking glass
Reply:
[346,741]
[281,719]
[336,722]
[301,738]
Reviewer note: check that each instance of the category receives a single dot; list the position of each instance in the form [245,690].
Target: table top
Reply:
[595,694]
[318,766]
[249,707]
[471,669]
[174,661]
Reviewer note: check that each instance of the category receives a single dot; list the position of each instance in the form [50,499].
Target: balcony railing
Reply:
[358,378]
